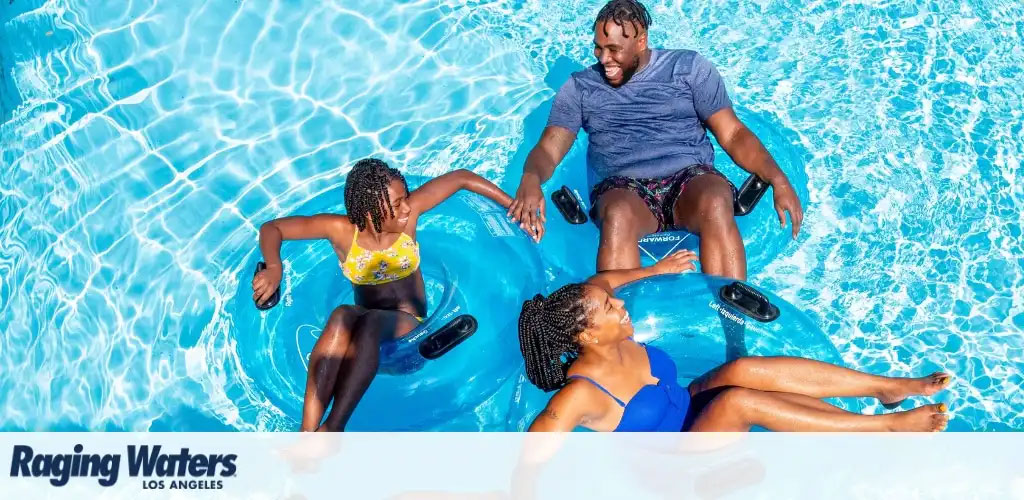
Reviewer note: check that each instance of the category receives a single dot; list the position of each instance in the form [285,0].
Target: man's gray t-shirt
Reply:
[653,126]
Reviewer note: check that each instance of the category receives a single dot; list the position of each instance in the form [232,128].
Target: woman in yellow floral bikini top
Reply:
[376,267]
[378,253]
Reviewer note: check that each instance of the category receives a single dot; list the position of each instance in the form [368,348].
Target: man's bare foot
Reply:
[927,418]
[902,388]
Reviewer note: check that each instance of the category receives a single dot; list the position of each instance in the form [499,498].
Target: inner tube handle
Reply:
[749,194]
[448,336]
[569,206]
[749,301]
[747,197]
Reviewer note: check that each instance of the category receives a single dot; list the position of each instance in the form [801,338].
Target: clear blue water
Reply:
[142,145]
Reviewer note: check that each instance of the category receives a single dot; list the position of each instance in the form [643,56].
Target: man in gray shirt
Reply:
[646,112]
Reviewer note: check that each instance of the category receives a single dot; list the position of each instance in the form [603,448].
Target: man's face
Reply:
[618,49]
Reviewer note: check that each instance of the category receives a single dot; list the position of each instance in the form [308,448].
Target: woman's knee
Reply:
[738,371]
[345,316]
[336,335]
[736,400]
[369,325]
[729,409]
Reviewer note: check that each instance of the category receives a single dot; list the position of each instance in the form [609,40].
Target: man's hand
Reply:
[747,151]
[787,201]
[528,207]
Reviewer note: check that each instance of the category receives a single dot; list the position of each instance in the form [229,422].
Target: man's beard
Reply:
[627,73]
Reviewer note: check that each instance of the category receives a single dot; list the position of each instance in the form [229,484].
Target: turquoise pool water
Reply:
[142,145]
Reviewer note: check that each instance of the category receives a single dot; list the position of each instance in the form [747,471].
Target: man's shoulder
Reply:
[680,60]
[590,74]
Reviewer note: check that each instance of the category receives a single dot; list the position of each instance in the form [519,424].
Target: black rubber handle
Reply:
[448,336]
[569,206]
[274,299]
[749,301]
[749,194]
[746,199]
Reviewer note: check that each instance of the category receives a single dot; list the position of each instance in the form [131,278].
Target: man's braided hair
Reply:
[621,12]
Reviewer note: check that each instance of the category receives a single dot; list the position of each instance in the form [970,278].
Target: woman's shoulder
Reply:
[339,221]
[339,228]
[583,384]
[581,402]
[577,397]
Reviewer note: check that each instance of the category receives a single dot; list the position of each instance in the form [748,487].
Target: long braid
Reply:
[548,334]
[621,12]
[366,192]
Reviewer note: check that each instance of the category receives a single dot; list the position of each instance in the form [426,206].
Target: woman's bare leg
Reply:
[363,357]
[325,362]
[809,402]
[736,409]
[816,379]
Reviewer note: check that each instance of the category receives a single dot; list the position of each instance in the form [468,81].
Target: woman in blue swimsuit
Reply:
[579,341]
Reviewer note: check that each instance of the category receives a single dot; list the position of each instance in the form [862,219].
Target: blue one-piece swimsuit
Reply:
[660,407]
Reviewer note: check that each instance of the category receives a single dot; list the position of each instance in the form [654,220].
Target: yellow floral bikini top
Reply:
[376,267]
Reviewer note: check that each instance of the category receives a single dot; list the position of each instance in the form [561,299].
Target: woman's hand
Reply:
[528,207]
[265,283]
[678,262]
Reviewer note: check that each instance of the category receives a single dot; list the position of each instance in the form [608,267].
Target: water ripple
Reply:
[147,143]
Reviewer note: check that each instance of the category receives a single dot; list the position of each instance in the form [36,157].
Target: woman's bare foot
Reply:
[902,388]
[927,418]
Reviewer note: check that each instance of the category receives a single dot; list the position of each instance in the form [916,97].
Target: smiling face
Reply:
[398,195]
[609,319]
[618,49]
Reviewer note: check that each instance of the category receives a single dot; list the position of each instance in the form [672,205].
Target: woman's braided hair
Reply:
[366,192]
[549,329]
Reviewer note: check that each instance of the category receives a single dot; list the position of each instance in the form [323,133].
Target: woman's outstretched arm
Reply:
[272,233]
[676,263]
[441,188]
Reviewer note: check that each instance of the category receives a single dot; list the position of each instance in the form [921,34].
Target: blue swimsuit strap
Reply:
[599,386]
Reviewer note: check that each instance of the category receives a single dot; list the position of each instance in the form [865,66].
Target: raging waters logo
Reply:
[159,469]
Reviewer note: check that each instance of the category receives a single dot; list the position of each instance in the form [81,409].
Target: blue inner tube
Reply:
[403,355]
[478,264]
[474,263]
[686,316]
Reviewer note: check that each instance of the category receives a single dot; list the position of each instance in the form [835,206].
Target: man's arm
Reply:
[554,143]
[552,147]
[714,109]
[564,123]
[743,146]
[747,151]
